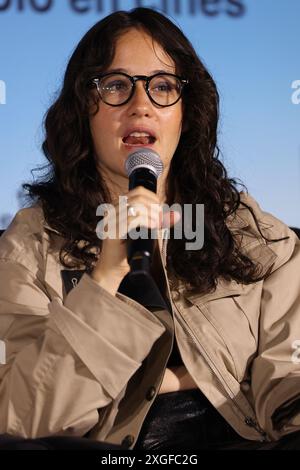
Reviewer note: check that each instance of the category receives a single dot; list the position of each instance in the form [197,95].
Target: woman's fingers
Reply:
[170,218]
[147,212]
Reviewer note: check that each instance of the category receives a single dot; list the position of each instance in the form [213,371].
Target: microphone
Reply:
[143,167]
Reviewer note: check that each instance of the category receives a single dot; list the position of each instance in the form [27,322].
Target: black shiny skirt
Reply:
[184,420]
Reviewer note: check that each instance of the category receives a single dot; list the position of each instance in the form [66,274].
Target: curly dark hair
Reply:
[72,188]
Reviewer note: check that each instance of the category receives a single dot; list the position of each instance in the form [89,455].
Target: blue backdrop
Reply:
[251,47]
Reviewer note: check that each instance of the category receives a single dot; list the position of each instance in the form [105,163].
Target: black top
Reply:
[175,357]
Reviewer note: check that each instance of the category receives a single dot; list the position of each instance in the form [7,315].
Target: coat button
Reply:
[151,393]
[128,441]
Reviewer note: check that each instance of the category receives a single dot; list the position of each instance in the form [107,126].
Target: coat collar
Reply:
[250,245]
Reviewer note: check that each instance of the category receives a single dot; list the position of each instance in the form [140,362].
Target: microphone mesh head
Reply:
[144,158]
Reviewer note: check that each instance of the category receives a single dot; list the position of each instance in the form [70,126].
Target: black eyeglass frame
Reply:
[134,79]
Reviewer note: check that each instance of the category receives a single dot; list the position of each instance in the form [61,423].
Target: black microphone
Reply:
[143,167]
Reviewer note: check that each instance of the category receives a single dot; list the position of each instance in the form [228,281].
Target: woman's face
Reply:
[136,55]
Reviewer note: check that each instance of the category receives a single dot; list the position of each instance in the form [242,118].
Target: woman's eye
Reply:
[117,86]
[163,87]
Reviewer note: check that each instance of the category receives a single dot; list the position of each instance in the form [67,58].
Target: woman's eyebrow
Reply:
[126,71]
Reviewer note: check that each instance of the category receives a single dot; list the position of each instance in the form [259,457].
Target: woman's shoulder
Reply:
[257,226]
[23,239]
[269,223]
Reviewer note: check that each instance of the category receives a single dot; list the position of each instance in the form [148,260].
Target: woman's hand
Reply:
[112,265]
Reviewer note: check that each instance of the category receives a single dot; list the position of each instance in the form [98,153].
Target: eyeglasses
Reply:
[116,89]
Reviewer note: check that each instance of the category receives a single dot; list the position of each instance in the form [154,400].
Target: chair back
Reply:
[296,230]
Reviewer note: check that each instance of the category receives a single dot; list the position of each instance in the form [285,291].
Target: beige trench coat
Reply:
[90,362]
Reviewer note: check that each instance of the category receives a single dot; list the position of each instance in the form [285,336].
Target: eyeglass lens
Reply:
[163,89]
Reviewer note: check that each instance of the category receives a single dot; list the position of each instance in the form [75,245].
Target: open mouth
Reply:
[144,140]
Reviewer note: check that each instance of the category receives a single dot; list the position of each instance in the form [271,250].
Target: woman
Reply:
[84,359]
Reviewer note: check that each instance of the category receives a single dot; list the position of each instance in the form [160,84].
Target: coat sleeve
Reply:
[276,369]
[62,364]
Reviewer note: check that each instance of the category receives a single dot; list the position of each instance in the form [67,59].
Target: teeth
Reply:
[139,134]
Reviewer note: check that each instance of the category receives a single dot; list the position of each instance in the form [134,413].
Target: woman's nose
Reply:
[140,96]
